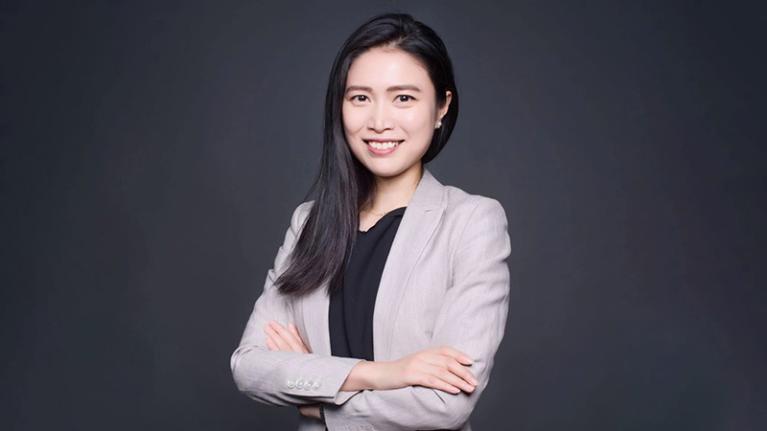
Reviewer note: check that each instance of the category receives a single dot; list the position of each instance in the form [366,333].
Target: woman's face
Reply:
[389,97]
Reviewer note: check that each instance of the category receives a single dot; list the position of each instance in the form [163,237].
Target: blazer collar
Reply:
[419,221]
[429,194]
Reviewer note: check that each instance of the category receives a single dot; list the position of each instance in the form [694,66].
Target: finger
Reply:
[451,364]
[461,371]
[311,411]
[295,344]
[451,379]
[288,337]
[295,332]
[274,339]
[431,378]
[457,354]
[298,335]
[270,344]
[281,343]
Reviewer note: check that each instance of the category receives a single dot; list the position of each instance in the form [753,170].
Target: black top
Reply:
[351,307]
[350,316]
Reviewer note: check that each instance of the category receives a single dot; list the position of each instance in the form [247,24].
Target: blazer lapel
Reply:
[420,219]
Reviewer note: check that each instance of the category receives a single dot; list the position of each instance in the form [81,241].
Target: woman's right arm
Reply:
[284,378]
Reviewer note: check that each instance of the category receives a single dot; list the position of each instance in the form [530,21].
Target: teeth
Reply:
[383,145]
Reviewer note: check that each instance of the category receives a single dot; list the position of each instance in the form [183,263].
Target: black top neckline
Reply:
[395,211]
[352,300]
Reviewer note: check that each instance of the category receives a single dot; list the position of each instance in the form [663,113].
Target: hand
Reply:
[436,367]
[289,340]
[284,339]
[311,411]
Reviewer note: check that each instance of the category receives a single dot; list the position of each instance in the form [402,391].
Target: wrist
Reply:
[364,375]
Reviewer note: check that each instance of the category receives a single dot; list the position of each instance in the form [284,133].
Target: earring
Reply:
[439,124]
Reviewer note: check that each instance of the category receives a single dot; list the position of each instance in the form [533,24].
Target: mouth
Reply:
[382,147]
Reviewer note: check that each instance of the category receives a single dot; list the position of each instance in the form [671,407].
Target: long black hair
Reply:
[343,184]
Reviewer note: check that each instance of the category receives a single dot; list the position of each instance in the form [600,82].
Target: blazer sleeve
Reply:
[280,378]
[472,320]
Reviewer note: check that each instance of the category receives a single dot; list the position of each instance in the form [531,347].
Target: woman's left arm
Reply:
[472,320]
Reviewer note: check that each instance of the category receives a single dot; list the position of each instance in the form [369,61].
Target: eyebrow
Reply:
[390,89]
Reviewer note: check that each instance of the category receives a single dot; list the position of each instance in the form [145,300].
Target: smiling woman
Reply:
[388,298]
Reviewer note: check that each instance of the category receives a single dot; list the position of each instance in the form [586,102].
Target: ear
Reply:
[443,110]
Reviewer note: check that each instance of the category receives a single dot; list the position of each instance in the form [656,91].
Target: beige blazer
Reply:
[445,282]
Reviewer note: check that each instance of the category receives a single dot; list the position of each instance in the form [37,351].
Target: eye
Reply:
[405,95]
[354,98]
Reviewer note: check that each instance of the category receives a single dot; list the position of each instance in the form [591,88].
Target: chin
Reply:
[385,171]
[389,169]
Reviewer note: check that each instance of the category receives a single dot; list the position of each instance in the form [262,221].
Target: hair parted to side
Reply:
[343,185]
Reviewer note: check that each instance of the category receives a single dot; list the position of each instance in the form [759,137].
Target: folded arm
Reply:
[472,320]
[283,378]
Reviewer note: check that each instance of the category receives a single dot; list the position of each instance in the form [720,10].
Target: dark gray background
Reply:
[152,153]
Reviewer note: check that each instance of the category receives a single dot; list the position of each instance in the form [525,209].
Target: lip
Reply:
[382,152]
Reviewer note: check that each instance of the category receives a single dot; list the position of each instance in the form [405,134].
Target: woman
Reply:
[388,298]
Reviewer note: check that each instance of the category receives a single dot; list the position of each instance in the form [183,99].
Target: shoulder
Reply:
[477,226]
[299,215]
[302,210]
[463,206]
[472,218]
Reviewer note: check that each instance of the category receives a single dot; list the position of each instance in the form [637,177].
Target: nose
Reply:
[379,118]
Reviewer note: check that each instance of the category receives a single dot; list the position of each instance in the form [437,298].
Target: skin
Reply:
[372,109]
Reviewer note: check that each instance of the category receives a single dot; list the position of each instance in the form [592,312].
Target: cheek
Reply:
[353,119]
[417,123]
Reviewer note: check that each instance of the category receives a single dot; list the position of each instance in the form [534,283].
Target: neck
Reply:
[394,192]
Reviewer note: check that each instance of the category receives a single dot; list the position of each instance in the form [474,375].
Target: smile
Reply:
[383,147]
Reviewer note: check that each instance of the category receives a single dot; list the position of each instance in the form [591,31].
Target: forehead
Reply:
[382,67]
